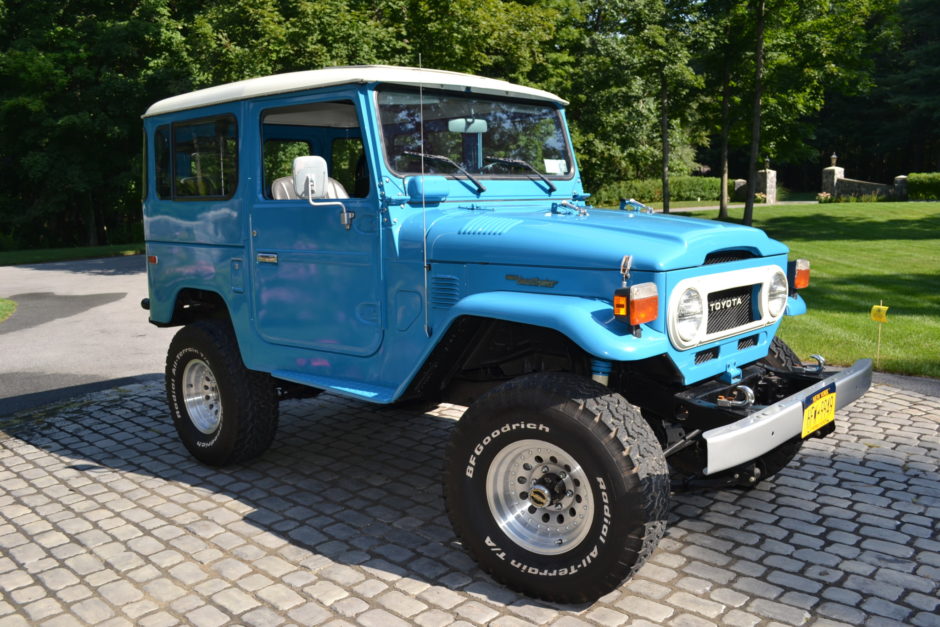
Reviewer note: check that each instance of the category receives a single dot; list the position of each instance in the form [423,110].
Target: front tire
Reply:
[781,357]
[223,412]
[556,486]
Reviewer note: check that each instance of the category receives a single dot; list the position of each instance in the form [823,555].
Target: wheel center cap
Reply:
[539,495]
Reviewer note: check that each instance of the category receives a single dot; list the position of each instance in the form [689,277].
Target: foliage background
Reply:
[646,78]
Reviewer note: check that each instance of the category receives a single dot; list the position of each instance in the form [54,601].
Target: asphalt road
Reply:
[78,328]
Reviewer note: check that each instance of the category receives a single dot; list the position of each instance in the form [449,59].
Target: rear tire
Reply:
[223,412]
[556,486]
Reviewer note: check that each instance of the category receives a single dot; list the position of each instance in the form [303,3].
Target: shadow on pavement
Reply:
[11,405]
[41,307]
[108,266]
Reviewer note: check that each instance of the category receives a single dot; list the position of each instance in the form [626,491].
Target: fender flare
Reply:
[587,322]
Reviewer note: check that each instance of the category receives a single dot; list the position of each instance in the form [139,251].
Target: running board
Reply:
[343,387]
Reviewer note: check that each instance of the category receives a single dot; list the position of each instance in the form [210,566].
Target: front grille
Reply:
[729,309]
[747,342]
[707,355]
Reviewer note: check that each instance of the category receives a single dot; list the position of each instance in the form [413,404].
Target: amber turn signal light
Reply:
[637,304]
[799,274]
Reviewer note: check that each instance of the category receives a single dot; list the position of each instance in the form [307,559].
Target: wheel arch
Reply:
[192,304]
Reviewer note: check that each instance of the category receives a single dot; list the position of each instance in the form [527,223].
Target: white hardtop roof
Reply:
[312,79]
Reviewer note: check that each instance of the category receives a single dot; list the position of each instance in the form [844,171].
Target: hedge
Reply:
[651,190]
[923,186]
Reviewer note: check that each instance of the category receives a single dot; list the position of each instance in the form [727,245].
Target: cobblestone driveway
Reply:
[105,520]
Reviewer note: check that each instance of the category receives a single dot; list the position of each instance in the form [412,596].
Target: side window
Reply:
[329,129]
[349,166]
[205,159]
[161,154]
[279,157]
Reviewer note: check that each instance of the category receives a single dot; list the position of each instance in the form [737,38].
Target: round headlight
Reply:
[689,315]
[777,297]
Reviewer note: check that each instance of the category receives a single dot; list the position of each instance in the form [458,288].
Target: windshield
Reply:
[483,136]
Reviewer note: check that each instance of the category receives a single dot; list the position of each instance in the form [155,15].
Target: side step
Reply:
[343,387]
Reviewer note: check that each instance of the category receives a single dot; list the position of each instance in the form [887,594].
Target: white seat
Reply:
[283,189]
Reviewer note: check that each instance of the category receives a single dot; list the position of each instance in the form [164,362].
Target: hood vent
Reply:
[488,225]
[445,292]
[724,256]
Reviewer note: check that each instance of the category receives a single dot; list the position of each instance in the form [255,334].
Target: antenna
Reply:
[424,209]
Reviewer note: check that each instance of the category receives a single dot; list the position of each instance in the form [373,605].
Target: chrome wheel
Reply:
[540,497]
[201,396]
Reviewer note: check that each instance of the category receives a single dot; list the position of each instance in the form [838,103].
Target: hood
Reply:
[597,241]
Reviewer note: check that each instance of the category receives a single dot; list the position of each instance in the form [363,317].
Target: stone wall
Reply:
[836,185]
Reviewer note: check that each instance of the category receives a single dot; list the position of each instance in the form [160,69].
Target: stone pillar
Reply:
[830,175]
[900,187]
[767,185]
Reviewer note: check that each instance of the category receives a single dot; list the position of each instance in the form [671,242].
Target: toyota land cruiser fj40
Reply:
[390,233]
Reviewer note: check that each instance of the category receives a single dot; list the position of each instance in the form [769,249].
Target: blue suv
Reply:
[392,234]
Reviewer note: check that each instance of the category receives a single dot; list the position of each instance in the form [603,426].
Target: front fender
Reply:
[589,323]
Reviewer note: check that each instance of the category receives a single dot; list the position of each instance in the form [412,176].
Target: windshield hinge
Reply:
[569,208]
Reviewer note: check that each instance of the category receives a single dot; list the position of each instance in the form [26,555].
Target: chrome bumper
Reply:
[749,438]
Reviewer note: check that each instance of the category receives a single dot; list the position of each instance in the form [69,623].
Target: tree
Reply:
[74,78]
[642,88]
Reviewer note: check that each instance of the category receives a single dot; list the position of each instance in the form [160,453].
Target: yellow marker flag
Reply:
[879,313]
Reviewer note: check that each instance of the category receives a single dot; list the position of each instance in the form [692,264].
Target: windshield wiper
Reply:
[444,159]
[524,164]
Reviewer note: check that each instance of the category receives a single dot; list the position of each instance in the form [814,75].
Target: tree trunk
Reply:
[725,130]
[755,116]
[664,129]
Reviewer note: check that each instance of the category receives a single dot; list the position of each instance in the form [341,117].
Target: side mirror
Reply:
[310,178]
[427,189]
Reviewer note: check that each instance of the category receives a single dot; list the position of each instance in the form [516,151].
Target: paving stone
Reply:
[645,608]
[235,601]
[280,596]
[380,618]
[309,614]
[207,616]
[262,617]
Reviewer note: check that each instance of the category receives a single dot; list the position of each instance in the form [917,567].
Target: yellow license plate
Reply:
[819,409]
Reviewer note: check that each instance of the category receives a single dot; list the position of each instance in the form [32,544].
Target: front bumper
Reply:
[747,439]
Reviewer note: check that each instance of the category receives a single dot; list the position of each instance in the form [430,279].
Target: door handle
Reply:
[267,258]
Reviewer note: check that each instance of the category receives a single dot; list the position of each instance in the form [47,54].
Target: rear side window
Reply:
[161,154]
[205,159]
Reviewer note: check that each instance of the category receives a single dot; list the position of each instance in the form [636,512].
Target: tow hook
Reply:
[742,397]
[820,364]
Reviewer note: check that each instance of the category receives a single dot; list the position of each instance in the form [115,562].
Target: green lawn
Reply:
[7,307]
[43,255]
[862,254]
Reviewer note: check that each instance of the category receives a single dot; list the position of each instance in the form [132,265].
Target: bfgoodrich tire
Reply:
[223,412]
[556,486]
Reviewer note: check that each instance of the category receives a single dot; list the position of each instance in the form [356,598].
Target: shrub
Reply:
[923,186]
[651,190]
[824,197]
[7,242]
